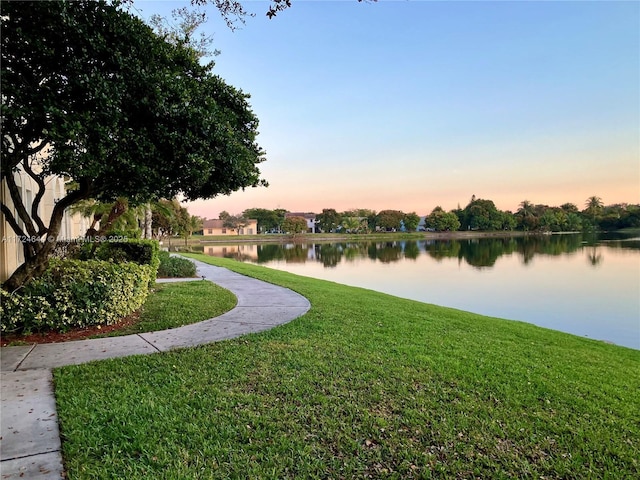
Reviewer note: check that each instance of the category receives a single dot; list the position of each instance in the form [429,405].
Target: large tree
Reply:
[526,216]
[329,220]
[390,219]
[92,93]
[294,225]
[268,220]
[481,214]
[593,209]
[411,221]
[442,221]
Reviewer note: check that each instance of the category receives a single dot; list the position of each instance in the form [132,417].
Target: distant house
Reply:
[216,227]
[309,217]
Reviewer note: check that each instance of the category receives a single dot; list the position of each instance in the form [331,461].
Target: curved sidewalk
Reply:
[30,442]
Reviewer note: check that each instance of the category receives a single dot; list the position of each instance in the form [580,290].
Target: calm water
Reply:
[588,286]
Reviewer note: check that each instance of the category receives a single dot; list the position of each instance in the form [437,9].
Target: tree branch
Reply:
[11,220]
[28,245]
[10,158]
[42,229]
[33,150]
[19,205]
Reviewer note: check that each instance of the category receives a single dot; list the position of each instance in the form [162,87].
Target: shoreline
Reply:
[331,237]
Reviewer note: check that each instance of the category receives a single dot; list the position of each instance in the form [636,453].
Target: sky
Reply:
[409,105]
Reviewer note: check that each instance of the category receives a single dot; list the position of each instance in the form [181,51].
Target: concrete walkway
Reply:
[30,439]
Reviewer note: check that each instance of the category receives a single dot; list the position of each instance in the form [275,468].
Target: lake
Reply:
[586,285]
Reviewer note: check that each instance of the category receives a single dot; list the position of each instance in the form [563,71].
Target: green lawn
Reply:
[364,385]
[173,305]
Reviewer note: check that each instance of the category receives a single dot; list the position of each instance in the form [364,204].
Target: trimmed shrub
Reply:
[175,266]
[142,252]
[74,293]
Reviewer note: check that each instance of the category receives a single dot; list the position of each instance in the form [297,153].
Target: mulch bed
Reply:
[74,334]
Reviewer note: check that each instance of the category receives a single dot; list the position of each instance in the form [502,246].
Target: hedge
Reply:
[74,293]
[142,252]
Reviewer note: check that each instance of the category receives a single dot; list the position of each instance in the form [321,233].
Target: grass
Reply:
[173,305]
[365,385]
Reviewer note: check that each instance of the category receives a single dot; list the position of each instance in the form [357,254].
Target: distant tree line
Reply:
[479,214]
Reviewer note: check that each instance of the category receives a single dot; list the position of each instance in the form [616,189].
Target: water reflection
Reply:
[586,285]
[479,252]
[594,256]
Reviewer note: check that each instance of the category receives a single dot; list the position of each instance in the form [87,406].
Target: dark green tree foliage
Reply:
[279,215]
[442,221]
[90,92]
[508,220]
[569,208]
[629,216]
[294,225]
[166,217]
[329,220]
[268,220]
[390,219]
[411,221]
[481,214]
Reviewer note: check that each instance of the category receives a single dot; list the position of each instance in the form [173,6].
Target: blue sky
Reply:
[408,105]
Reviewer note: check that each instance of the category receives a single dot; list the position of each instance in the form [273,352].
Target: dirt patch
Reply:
[74,334]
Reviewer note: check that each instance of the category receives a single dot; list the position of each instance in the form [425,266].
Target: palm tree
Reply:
[527,215]
[351,224]
[594,203]
[526,209]
[115,215]
[91,209]
[146,221]
[594,257]
[593,207]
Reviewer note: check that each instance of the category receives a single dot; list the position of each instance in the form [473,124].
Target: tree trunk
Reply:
[148,218]
[37,255]
[33,267]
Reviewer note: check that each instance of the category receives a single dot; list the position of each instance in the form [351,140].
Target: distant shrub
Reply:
[74,293]
[177,267]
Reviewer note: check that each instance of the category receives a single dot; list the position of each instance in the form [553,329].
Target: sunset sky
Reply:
[412,104]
